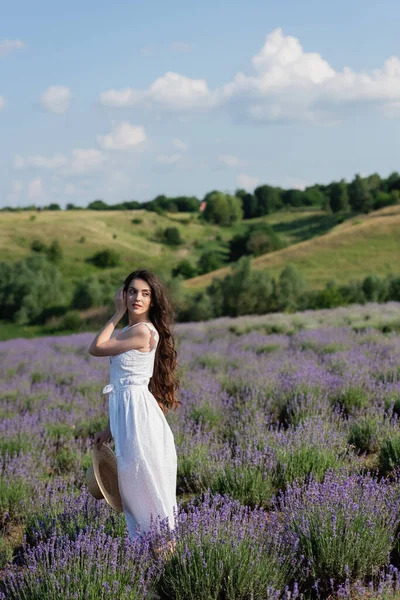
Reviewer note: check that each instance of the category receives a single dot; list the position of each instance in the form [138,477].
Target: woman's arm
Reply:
[105,334]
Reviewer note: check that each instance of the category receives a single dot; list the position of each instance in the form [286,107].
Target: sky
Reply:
[128,100]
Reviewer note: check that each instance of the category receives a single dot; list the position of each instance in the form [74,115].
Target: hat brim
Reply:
[106,474]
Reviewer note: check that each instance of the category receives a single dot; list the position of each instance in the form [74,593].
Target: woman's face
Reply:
[138,298]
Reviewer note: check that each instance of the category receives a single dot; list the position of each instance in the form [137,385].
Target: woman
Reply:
[142,389]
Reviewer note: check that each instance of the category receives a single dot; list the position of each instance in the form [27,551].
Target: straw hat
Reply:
[102,477]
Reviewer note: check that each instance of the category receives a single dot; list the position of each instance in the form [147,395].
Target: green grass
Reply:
[350,251]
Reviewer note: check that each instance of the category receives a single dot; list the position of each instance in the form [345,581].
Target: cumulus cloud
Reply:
[180,145]
[283,82]
[231,161]
[86,160]
[7,46]
[123,137]
[56,99]
[2,102]
[172,91]
[247,182]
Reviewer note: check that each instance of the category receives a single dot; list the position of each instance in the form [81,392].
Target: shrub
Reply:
[389,454]
[54,252]
[226,551]
[172,236]
[105,258]
[184,268]
[38,246]
[363,435]
[71,321]
[345,526]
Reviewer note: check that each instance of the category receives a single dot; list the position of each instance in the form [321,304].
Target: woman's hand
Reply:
[120,301]
[101,437]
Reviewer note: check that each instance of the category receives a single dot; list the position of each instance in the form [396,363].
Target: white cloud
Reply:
[284,83]
[86,160]
[56,99]
[169,159]
[180,145]
[231,161]
[2,102]
[7,46]
[247,182]
[171,92]
[40,162]
[35,188]
[123,137]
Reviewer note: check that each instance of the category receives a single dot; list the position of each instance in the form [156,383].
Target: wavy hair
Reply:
[164,383]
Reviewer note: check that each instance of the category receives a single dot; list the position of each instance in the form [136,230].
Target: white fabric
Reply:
[144,442]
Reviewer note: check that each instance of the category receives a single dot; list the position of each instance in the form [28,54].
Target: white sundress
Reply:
[144,442]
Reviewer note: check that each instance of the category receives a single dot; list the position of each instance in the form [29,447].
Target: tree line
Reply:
[361,195]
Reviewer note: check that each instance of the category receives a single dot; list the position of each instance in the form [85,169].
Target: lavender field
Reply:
[288,443]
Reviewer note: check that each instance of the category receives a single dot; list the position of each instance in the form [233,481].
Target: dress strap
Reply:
[149,325]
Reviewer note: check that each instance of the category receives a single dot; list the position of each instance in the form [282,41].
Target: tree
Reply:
[268,199]
[172,236]
[105,258]
[184,268]
[359,196]
[222,209]
[98,205]
[54,252]
[290,288]
[210,260]
[338,197]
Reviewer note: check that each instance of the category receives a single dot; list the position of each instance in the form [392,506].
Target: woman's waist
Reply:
[126,382]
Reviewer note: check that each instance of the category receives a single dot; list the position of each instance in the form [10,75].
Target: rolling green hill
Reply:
[82,233]
[363,245]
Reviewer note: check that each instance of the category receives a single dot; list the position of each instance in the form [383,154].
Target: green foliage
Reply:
[105,258]
[71,321]
[245,482]
[351,399]
[38,246]
[54,252]
[389,454]
[257,239]
[98,205]
[338,196]
[222,209]
[268,199]
[184,268]
[291,287]
[300,462]
[172,236]
[29,287]
[12,495]
[363,435]
[210,261]
[137,221]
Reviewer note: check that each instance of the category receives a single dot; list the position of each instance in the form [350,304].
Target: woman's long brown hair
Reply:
[164,383]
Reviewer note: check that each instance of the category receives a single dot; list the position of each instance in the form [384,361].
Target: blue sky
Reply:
[127,100]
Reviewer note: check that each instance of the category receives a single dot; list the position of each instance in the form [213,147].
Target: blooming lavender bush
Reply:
[345,526]
[268,402]
[225,550]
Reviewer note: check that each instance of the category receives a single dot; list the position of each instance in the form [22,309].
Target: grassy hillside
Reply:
[82,233]
[366,244]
